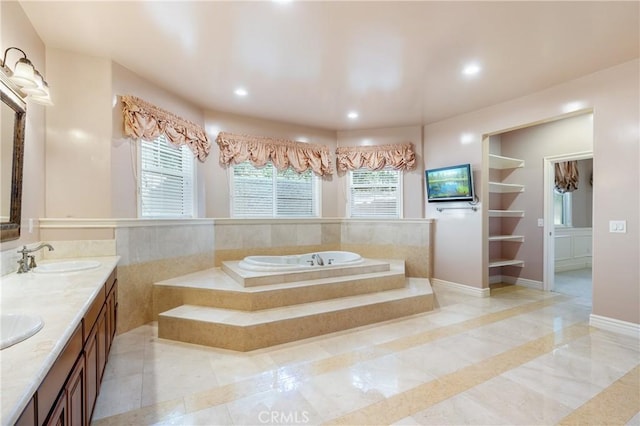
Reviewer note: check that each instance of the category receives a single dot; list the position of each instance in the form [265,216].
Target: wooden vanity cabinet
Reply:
[68,393]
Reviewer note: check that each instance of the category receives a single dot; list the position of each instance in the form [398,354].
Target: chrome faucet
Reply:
[318,259]
[29,261]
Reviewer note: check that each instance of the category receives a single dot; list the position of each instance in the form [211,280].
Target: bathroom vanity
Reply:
[54,376]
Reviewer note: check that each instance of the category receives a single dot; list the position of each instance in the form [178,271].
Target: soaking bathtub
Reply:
[299,261]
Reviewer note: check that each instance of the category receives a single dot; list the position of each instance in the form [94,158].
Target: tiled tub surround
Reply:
[244,310]
[156,250]
[237,238]
[61,300]
[410,240]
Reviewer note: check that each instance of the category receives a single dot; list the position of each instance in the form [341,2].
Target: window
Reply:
[166,180]
[268,192]
[375,194]
[562,209]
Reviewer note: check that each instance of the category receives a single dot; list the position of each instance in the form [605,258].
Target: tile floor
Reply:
[577,283]
[520,357]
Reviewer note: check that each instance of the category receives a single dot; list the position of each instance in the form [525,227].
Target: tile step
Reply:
[234,296]
[249,330]
[252,279]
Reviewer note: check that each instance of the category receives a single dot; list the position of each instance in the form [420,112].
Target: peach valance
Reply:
[376,157]
[146,121]
[258,150]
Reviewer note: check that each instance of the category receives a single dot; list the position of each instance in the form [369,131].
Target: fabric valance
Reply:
[146,121]
[566,176]
[398,156]
[236,149]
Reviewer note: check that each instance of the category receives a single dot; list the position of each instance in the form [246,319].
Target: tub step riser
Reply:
[231,269]
[167,297]
[247,338]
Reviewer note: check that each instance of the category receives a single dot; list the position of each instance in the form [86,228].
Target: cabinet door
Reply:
[111,305]
[91,366]
[102,333]
[58,416]
[75,389]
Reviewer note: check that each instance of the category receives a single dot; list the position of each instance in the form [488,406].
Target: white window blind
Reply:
[267,192]
[375,194]
[166,180]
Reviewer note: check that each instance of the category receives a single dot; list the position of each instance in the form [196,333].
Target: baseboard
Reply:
[524,282]
[614,325]
[472,291]
[572,266]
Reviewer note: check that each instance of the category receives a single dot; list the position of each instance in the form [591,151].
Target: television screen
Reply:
[454,183]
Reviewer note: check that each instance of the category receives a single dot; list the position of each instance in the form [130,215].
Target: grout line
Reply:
[614,405]
[268,380]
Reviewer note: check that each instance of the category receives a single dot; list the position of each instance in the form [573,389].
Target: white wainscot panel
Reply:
[572,248]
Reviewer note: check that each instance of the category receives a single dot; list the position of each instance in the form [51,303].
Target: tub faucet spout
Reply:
[318,259]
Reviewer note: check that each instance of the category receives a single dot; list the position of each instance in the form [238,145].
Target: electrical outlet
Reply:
[618,226]
[540,223]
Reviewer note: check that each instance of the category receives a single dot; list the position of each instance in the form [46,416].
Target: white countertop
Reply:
[61,300]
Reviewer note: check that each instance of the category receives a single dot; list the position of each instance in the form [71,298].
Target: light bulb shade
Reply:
[39,89]
[44,98]
[24,74]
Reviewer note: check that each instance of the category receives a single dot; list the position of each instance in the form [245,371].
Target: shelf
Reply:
[513,238]
[506,213]
[498,187]
[496,263]
[500,162]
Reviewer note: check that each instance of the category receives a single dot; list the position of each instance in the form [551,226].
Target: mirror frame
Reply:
[10,96]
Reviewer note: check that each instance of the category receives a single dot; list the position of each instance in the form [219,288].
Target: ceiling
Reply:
[395,63]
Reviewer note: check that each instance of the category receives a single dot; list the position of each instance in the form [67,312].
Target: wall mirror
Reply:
[13,117]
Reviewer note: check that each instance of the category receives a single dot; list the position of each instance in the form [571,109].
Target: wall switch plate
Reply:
[540,223]
[619,226]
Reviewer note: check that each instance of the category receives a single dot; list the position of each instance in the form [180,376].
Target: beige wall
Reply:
[613,96]
[532,144]
[78,160]
[217,182]
[124,150]
[16,30]
[413,183]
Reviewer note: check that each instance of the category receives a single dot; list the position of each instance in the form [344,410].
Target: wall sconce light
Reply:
[27,78]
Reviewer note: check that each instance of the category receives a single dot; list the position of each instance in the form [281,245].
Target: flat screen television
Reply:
[453,183]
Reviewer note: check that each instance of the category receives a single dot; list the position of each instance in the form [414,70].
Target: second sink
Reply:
[67,266]
[15,328]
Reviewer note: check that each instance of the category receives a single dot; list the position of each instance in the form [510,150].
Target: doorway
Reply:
[568,229]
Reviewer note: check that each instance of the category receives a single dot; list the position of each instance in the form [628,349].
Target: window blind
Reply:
[267,192]
[375,194]
[166,179]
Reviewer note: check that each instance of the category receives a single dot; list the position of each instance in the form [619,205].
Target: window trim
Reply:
[138,177]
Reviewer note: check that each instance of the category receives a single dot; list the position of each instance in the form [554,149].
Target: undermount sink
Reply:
[67,266]
[15,328]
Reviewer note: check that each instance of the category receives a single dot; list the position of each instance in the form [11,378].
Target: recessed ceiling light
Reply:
[241,91]
[352,115]
[471,69]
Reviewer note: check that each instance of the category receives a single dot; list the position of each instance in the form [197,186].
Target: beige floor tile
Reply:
[517,404]
[471,361]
